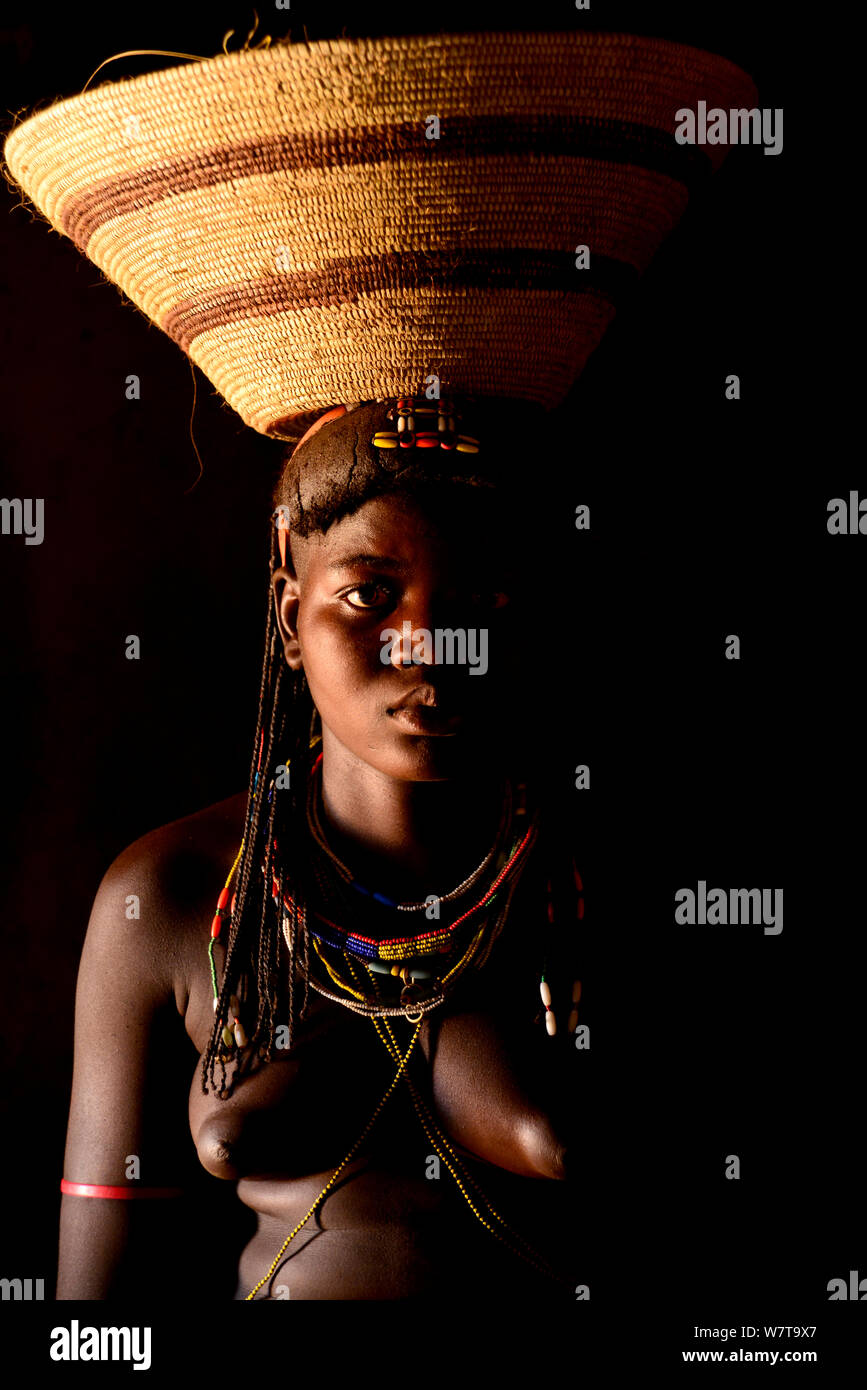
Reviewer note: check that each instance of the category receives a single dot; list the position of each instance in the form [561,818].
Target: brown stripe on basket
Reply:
[619,142]
[343,281]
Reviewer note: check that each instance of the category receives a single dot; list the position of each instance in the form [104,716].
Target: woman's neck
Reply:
[406,838]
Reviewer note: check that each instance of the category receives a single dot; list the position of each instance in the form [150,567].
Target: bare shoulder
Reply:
[165,886]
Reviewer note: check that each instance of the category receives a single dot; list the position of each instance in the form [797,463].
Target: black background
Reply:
[708,517]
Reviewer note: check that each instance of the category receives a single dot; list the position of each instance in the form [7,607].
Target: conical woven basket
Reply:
[343,220]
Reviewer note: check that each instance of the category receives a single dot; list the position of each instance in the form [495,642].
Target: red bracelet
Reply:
[91,1189]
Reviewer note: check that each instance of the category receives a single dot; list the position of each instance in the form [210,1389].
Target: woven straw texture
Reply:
[284,216]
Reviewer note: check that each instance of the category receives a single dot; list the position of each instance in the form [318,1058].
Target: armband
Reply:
[124,1194]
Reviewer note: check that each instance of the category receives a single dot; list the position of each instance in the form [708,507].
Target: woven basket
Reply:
[284,216]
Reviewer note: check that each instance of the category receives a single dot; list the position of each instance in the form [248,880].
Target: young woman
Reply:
[379,1070]
[395,925]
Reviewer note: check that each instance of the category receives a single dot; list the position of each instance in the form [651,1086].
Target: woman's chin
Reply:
[437,758]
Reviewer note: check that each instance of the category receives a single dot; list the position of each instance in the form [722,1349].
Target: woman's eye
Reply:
[365,596]
[489,599]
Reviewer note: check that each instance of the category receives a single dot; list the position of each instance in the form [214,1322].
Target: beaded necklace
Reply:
[421,991]
[473,930]
[344,955]
[314,821]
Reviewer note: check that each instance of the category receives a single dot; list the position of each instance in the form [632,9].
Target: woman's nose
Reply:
[416,618]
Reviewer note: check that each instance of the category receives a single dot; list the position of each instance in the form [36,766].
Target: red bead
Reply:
[550,912]
[216,926]
[223,898]
[427,441]
[580,908]
[234,900]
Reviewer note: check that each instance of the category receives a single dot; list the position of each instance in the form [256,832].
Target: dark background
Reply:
[708,518]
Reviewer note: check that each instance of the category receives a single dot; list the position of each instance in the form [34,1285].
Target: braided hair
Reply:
[325,478]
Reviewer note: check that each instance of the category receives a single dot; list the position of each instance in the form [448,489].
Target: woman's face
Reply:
[401,616]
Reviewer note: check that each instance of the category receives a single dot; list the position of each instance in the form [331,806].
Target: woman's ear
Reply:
[286,590]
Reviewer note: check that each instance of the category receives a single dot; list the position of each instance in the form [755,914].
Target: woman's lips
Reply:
[426,719]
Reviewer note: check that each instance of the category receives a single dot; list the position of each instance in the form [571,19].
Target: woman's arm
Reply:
[128,1124]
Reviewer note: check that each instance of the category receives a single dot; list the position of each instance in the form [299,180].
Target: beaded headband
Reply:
[419,424]
[407,435]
